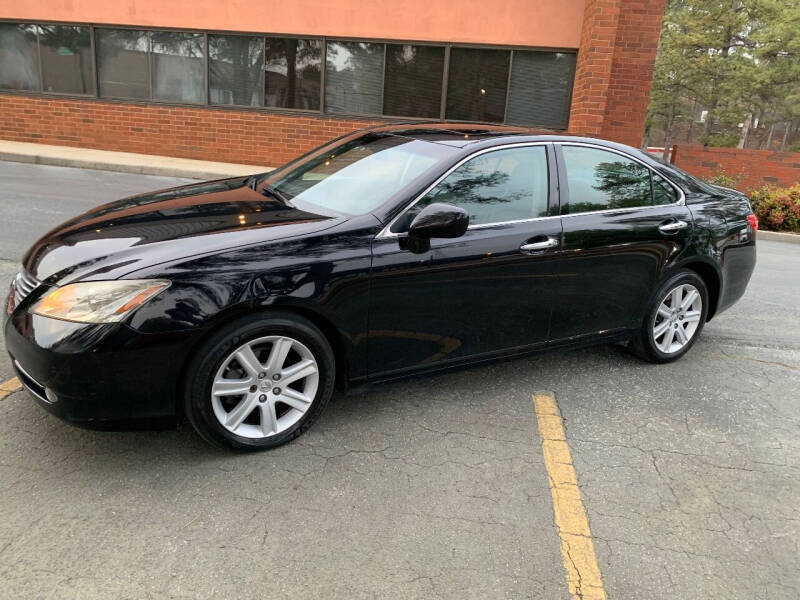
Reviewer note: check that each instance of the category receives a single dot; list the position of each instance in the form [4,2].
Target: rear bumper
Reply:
[98,376]
[738,264]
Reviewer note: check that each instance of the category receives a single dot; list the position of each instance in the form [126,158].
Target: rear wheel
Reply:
[259,382]
[674,319]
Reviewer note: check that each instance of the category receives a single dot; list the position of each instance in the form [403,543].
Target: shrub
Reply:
[778,209]
[723,179]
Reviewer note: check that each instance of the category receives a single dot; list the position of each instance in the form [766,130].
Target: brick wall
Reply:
[615,68]
[225,135]
[752,168]
[612,85]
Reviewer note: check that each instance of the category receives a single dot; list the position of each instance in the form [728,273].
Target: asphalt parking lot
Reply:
[688,473]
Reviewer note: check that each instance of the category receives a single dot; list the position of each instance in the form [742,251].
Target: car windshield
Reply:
[356,176]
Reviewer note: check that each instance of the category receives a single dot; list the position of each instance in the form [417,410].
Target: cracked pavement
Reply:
[429,488]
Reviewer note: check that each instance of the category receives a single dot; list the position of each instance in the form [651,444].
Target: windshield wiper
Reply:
[252,181]
[268,190]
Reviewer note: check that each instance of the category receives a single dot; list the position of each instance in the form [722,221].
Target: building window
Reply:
[236,70]
[540,88]
[123,67]
[19,59]
[293,70]
[358,78]
[476,85]
[66,59]
[413,84]
[177,66]
[354,78]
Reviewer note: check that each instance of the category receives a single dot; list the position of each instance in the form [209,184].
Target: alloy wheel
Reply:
[677,318]
[264,386]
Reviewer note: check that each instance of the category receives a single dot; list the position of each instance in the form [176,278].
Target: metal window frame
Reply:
[386,233]
[261,67]
[681,201]
[149,98]
[36,29]
[443,89]
[35,25]
[304,111]
[570,91]
[151,60]
[511,49]
[383,76]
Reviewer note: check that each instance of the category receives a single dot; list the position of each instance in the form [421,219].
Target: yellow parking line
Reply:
[9,387]
[577,550]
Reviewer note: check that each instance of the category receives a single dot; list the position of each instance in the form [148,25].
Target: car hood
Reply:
[123,236]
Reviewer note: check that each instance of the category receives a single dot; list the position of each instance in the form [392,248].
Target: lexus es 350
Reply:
[392,251]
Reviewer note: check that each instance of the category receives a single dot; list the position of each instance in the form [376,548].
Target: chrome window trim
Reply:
[24,381]
[385,233]
[681,195]
[620,210]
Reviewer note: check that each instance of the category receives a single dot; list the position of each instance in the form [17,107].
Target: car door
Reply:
[486,291]
[622,223]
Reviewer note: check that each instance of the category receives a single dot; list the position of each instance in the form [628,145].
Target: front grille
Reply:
[24,284]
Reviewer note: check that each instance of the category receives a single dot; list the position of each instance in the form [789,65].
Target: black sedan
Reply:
[393,251]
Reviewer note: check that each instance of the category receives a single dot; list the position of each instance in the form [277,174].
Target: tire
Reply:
[654,346]
[258,414]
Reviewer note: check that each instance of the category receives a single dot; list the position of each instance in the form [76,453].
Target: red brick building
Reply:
[260,83]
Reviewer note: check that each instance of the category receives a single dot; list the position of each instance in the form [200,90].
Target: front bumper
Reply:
[98,376]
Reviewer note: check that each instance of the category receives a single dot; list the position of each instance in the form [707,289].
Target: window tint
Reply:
[19,62]
[504,185]
[66,59]
[178,66]
[663,192]
[476,84]
[540,88]
[235,70]
[293,70]
[413,85]
[600,180]
[353,78]
[122,63]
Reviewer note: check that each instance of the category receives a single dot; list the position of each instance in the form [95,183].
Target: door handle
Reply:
[549,242]
[672,226]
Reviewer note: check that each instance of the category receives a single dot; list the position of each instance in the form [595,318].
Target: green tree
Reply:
[735,59]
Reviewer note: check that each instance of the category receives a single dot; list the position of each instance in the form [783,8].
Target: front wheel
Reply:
[259,382]
[674,319]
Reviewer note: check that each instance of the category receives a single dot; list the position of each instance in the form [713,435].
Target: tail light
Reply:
[752,220]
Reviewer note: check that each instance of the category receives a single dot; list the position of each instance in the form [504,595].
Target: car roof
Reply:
[451,134]
[464,135]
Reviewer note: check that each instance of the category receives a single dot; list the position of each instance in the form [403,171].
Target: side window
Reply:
[504,185]
[602,180]
[663,192]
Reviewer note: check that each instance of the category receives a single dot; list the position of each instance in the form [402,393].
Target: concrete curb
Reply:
[122,162]
[778,236]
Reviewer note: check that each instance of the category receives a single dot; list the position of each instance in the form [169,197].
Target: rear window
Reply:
[689,182]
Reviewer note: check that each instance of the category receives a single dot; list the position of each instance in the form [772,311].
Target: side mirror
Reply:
[439,220]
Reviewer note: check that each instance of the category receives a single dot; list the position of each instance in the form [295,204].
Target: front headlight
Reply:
[98,301]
